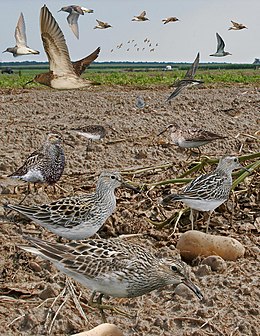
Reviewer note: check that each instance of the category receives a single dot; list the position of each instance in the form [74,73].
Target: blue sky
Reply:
[177,42]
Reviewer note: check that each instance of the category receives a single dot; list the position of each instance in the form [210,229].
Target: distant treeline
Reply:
[131,66]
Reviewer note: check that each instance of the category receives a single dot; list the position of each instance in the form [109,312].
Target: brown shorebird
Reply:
[74,13]
[91,132]
[44,165]
[188,79]
[208,191]
[220,48]
[191,137]
[102,25]
[113,267]
[170,19]
[63,73]
[78,216]
[141,17]
[237,26]
[21,47]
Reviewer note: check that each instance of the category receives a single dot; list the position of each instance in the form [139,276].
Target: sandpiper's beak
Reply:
[243,168]
[68,144]
[167,199]
[31,81]
[193,287]
[129,186]
[163,131]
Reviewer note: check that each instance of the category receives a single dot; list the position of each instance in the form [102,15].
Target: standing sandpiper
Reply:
[113,267]
[190,137]
[208,191]
[79,216]
[46,164]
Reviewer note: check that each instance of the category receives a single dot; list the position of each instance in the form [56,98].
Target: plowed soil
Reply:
[36,299]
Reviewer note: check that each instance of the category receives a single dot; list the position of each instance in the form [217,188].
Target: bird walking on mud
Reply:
[190,137]
[63,73]
[187,81]
[44,165]
[113,267]
[21,47]
[208,191]
[91,132]
[79,216]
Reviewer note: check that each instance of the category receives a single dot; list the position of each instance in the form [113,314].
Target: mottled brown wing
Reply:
[30,161]
[81,65]
[203,135]
[54,44]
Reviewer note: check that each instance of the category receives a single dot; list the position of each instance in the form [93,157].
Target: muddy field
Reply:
[33,295]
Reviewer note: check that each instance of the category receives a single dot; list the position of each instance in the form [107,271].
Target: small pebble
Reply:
[216,263]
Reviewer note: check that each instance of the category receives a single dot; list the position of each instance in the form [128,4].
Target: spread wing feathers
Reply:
[101,23]
[221,44]
[81,65]
[202,187]
[73,23]
[64,212]
[31,161]
[20,33]
[235,24]
[175,93]
[142,14]
[192,70]
[54,44]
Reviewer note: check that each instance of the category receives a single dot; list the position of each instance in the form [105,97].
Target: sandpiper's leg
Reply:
[208,221]
[98,304]
[191,219]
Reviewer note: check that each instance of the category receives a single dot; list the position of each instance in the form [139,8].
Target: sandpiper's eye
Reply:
[174,268]
[113,177]
[236,159]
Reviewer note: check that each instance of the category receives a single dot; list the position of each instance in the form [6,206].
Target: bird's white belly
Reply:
[32,176]
[89,135]
[203,205]
[108,286]
[191,144]
[67,83]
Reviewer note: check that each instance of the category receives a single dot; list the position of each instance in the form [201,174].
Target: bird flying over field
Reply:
[220,48]
[74,13]
[237,26]
[21,47]
[102,25]
[141,17]
[170,19]
[188,79]
[63,73]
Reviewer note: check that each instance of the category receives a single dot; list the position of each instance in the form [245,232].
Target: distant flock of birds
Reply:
[75,11]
